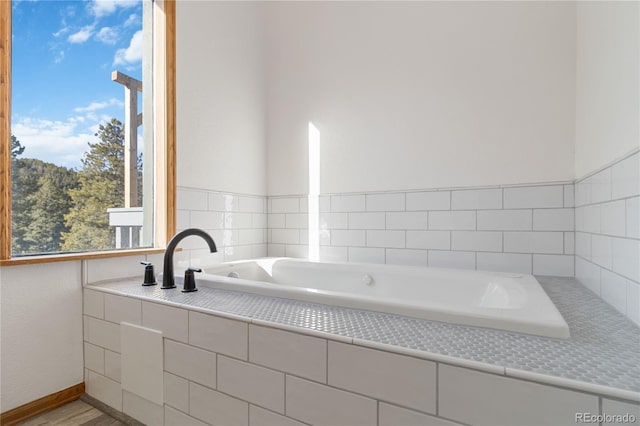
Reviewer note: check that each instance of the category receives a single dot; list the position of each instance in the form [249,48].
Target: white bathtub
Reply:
[505,301]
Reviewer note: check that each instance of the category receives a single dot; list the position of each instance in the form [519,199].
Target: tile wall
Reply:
[224,370]
[607,241]
[525,229]
[237,223]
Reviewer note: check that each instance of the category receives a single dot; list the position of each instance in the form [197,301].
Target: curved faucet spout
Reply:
[168,280]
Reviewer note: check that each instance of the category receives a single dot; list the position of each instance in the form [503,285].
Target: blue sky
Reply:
[63,53]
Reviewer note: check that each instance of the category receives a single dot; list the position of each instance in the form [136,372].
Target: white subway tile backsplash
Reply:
[391,415]
[613,289]
[579,218]
[285,236]
[452,259]
[334,254]
[297,220]
[385,202]
[103,333]
[555,265]
[439,240]
[591,218]
[405,380]
[534,242]
[613,218]
[348,238]
[476,199]
[207,220]
[191,363]
[480,399]
[104,389]
[504,262]
[313,403]
[626,258]
[292,353]
[569,242]
[249,382]
[222,335]
[452,220]
[235,253]
[406,220]
[217,408]
[406,257]
[276,250]
[390,239]
[122,309]
[251,204]
[615,408]
[94,358]
[113,365]
[582,193]
[285,205]
[367,221]
[172,322]
[215,201]
[505,220]
[625,177]
[250,236]
[476,241]
[366,255]
[191,200]
[583,245]
[333,220]
[534,197]
[601,250]
[173,417]
[588,274]
[261,417]
[633,217]
[259,220]
[93,303]
[237,220]
[600,186]
[553,219]
[275,220]
[432,200]
[348,203]
[569,196]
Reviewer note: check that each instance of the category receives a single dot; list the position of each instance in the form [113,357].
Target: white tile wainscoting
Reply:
[607,241]
[237,223]
[527,229]
[222,369]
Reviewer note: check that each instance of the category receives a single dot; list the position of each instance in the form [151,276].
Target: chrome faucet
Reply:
[168,280]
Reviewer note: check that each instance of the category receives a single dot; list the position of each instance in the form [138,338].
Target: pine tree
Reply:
[101,186]
[39,201]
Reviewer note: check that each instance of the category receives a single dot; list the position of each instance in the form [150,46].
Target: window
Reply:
[56,203]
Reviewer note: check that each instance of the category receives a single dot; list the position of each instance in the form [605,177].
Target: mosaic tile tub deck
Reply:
[602,356]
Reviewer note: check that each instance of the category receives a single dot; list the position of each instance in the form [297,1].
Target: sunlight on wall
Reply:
[314,192]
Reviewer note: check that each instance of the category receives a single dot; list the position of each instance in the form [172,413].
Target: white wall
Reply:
[607,83]
[220,97]
[41,331]
[420,94]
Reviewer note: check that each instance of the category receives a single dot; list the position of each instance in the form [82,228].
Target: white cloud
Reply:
[108,35]
[132,20]
[57,142]
[81,36]
[132,54]
[96,106]
[101,8]
[59,57]
[61,31]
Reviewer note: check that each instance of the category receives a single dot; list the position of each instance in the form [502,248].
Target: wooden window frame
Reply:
[165,204]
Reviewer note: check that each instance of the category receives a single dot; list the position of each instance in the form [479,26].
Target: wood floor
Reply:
[76,413]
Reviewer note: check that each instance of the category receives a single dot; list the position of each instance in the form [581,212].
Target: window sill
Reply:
[28,260]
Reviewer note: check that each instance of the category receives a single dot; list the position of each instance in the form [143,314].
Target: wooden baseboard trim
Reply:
[41,405]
